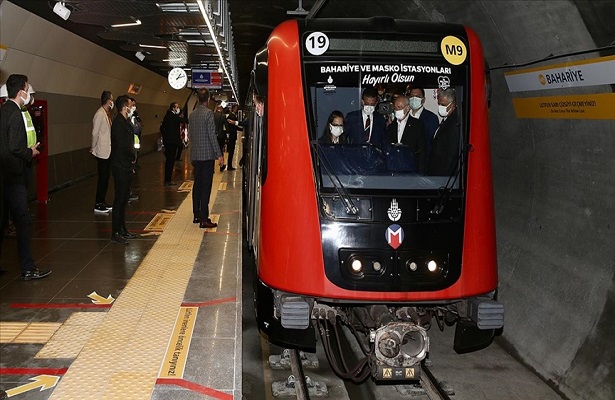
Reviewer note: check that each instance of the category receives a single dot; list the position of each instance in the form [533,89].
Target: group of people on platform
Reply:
[434,143]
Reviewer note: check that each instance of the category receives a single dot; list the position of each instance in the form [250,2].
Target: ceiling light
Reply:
[152,46]
[135,23]
[61,10]
[178,7]
[172,59]
[140,55]
[213,36]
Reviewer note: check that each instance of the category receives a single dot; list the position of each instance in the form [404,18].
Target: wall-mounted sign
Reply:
[202,78]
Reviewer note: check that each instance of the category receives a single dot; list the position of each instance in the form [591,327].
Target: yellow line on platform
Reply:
[122,358]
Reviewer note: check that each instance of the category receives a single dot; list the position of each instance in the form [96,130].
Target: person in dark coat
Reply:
[122,163]
[445,143]
[231,128]
[171,138]
[408,131]
[334,130]
[14,158]
[365,125]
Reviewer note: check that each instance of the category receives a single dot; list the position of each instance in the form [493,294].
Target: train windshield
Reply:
[388,125]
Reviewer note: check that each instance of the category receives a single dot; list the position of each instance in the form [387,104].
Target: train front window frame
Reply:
[337,84]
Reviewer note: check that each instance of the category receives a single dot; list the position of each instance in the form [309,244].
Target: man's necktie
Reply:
[367,124]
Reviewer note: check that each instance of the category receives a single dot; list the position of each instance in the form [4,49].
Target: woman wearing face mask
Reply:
[171,138]
[334,130]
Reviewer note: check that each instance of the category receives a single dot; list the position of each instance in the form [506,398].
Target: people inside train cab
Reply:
[364,125]
[101,149]
[334,130]
[445,143]
[416,98]
[408,131]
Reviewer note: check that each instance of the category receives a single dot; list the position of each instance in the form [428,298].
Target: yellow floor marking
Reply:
[159,222]
[72,335]
[185,187]
[177,352]
[121,360]
[222,186]
[35,332]
[164,210]
[10,330]
[41,382]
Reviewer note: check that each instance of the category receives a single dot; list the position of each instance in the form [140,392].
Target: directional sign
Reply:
[98,299]
[41,381]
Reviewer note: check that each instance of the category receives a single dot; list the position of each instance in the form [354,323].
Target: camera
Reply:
[385,104]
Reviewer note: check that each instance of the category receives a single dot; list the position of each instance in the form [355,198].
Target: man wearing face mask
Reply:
[365,125]
[122,158]
[445,143]
[171,138]
[408,131]
[418,110]
[14,157]
[101,149]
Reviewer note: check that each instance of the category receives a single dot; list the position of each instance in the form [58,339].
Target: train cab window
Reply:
[378,154]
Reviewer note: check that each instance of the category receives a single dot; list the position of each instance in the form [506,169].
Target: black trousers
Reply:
[170,154]
[230,146]
[104,171]
[201,190]
[121,178]
[16,203]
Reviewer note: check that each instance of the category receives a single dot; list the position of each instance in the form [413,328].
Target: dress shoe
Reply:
[222,167]
[208,224]
[34,274]
[118,238]
[196,220]
[128,235]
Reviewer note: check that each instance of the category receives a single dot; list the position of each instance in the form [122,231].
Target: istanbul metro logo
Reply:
[394,235]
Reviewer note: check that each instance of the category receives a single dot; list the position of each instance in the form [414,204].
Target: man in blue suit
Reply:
[364,125]
[418,110]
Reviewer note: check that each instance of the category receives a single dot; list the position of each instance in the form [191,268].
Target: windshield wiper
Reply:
[445,191]
[351,209]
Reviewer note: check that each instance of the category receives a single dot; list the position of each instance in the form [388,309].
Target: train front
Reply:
[401,233]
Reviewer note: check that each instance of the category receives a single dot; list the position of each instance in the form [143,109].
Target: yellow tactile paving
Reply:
[122,358]
[68,341]
[10,330]
[222,186]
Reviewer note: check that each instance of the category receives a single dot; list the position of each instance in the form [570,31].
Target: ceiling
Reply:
[178,31]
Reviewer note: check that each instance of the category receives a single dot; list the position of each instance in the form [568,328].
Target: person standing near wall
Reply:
[122,159]
[204,151]
[14,157]
[171,138]
[101,149]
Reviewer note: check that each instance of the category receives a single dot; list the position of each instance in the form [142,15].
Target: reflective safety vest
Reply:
[30,131]
[137,142]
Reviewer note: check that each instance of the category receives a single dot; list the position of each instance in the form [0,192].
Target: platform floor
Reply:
[156,319]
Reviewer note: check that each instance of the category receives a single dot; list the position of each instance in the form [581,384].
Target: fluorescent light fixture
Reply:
[178,7]
[61,10]
[140,55]
[172,59]
[213,36]
[135,23]
[152,46]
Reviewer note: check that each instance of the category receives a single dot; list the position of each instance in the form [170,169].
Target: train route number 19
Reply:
[317,43]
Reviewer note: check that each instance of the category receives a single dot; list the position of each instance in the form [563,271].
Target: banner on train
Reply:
[595,71]
[583,106]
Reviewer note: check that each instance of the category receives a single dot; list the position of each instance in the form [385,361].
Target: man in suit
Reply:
[101,149]
[14,158]
[204,151]
[445,144]
[416,99]
[231,128]
[364,125]
[408,131]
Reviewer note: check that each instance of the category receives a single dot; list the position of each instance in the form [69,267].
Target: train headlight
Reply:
[412,265]
[356,265]
[377,266]
[432,266]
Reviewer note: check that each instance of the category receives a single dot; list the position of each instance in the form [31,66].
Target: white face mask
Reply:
[26,101]
[176,111]
[111,105]
[336,130]
[369,110]
[131,111]
[400,114]
[415,103]
[442,111]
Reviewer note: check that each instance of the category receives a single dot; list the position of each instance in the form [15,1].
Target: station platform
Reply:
[159,318]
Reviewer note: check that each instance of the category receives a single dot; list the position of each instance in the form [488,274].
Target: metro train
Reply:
[354,238]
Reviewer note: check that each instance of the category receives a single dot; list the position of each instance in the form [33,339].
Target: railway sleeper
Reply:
[282,361]
[288,388]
